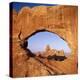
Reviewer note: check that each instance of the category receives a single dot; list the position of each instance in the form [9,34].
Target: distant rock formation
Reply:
[60,53]
[51,52]
[48,48]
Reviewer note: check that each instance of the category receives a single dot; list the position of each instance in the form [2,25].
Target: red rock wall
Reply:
[61,20]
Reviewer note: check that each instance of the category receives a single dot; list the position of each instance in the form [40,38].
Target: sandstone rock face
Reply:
[61,20]
[60,53]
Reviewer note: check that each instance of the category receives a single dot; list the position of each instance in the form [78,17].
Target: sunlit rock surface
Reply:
[61,20]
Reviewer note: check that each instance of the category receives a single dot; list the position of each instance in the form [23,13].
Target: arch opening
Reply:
[41,39]
[47,44]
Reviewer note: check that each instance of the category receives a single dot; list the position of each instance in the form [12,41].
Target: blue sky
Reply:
[39,41]
[18,5]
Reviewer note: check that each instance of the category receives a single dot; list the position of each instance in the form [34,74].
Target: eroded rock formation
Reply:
[61,20]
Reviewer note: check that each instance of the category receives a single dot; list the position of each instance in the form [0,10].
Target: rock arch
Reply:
[61,20]
[54,19]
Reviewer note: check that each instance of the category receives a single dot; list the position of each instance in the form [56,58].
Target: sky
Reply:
[18,5]
[39,41]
